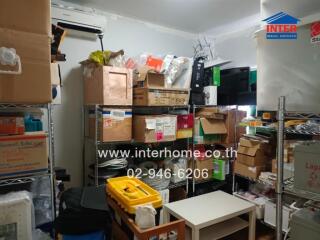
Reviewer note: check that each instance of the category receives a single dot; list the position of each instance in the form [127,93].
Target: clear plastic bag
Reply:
[176,68]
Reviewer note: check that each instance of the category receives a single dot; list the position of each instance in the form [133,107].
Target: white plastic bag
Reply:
[145,216]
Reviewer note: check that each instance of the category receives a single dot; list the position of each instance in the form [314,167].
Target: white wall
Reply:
[236,41]
[239,47]
[121,33]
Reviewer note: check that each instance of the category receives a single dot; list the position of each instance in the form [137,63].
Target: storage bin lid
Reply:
[308,147]
[308,219]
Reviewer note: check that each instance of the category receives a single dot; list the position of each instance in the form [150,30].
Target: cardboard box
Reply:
[160,97]
[204,164]
[250,143]
[154,128]
[55,74]
[212,112]
[209,131]
[32,16]
[23,155]
[149,79]
[107,85]
[251,156]
[184,133]
[247,171]
[114,124]
[33,85]
[11,125]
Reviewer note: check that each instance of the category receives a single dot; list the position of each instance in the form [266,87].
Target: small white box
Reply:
[210,93]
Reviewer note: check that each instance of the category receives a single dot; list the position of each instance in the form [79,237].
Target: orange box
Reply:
[11,125]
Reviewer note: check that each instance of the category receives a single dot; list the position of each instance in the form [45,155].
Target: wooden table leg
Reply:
[252,225]
[166,215]
[195,234]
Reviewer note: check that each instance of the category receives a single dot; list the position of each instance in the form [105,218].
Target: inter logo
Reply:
[281,26]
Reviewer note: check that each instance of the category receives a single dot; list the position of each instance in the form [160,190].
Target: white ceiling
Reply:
[194,16]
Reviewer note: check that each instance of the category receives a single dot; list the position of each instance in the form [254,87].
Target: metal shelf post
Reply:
[280,151]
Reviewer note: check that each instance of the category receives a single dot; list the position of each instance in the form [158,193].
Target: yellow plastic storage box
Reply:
[131,192]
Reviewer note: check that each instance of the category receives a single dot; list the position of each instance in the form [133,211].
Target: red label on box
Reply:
[159,136]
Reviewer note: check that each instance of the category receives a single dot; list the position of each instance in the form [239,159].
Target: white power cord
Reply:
[118,163]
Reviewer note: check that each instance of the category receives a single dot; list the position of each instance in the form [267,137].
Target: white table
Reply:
[215,214]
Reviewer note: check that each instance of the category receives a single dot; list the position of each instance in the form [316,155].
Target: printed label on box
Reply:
[151,124]
[117,114]
[169,127]
[159,125]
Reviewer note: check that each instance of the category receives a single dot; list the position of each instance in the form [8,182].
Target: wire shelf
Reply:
[302,132]
[21,180]
[178,184]
[5,106]
[290,190]
[302,116]
[256,181]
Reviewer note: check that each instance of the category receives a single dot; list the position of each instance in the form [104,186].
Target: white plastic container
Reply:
[270,215]
[259,207]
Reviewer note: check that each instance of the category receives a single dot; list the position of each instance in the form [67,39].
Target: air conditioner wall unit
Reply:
[78,20]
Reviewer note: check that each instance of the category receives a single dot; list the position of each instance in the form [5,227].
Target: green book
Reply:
[216,76]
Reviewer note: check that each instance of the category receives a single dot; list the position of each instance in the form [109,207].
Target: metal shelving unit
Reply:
[20,180]
[96,143]
[194,182]
[288,188]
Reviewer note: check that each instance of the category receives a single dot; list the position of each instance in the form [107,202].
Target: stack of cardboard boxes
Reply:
[27,36]
[150,90]
[213,126]
[254,156]
[25,78]
[109,86]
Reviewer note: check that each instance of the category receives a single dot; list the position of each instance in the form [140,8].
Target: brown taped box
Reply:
[107,85]
[113,125]
[23,154]
[149,79]
[251,156]
[154,128]
[247,171]
[33,85]
[32,16]
[201,165]
[160,97]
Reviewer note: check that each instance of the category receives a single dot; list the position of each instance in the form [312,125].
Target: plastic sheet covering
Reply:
[288,68]
[41,195]
[16,216]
